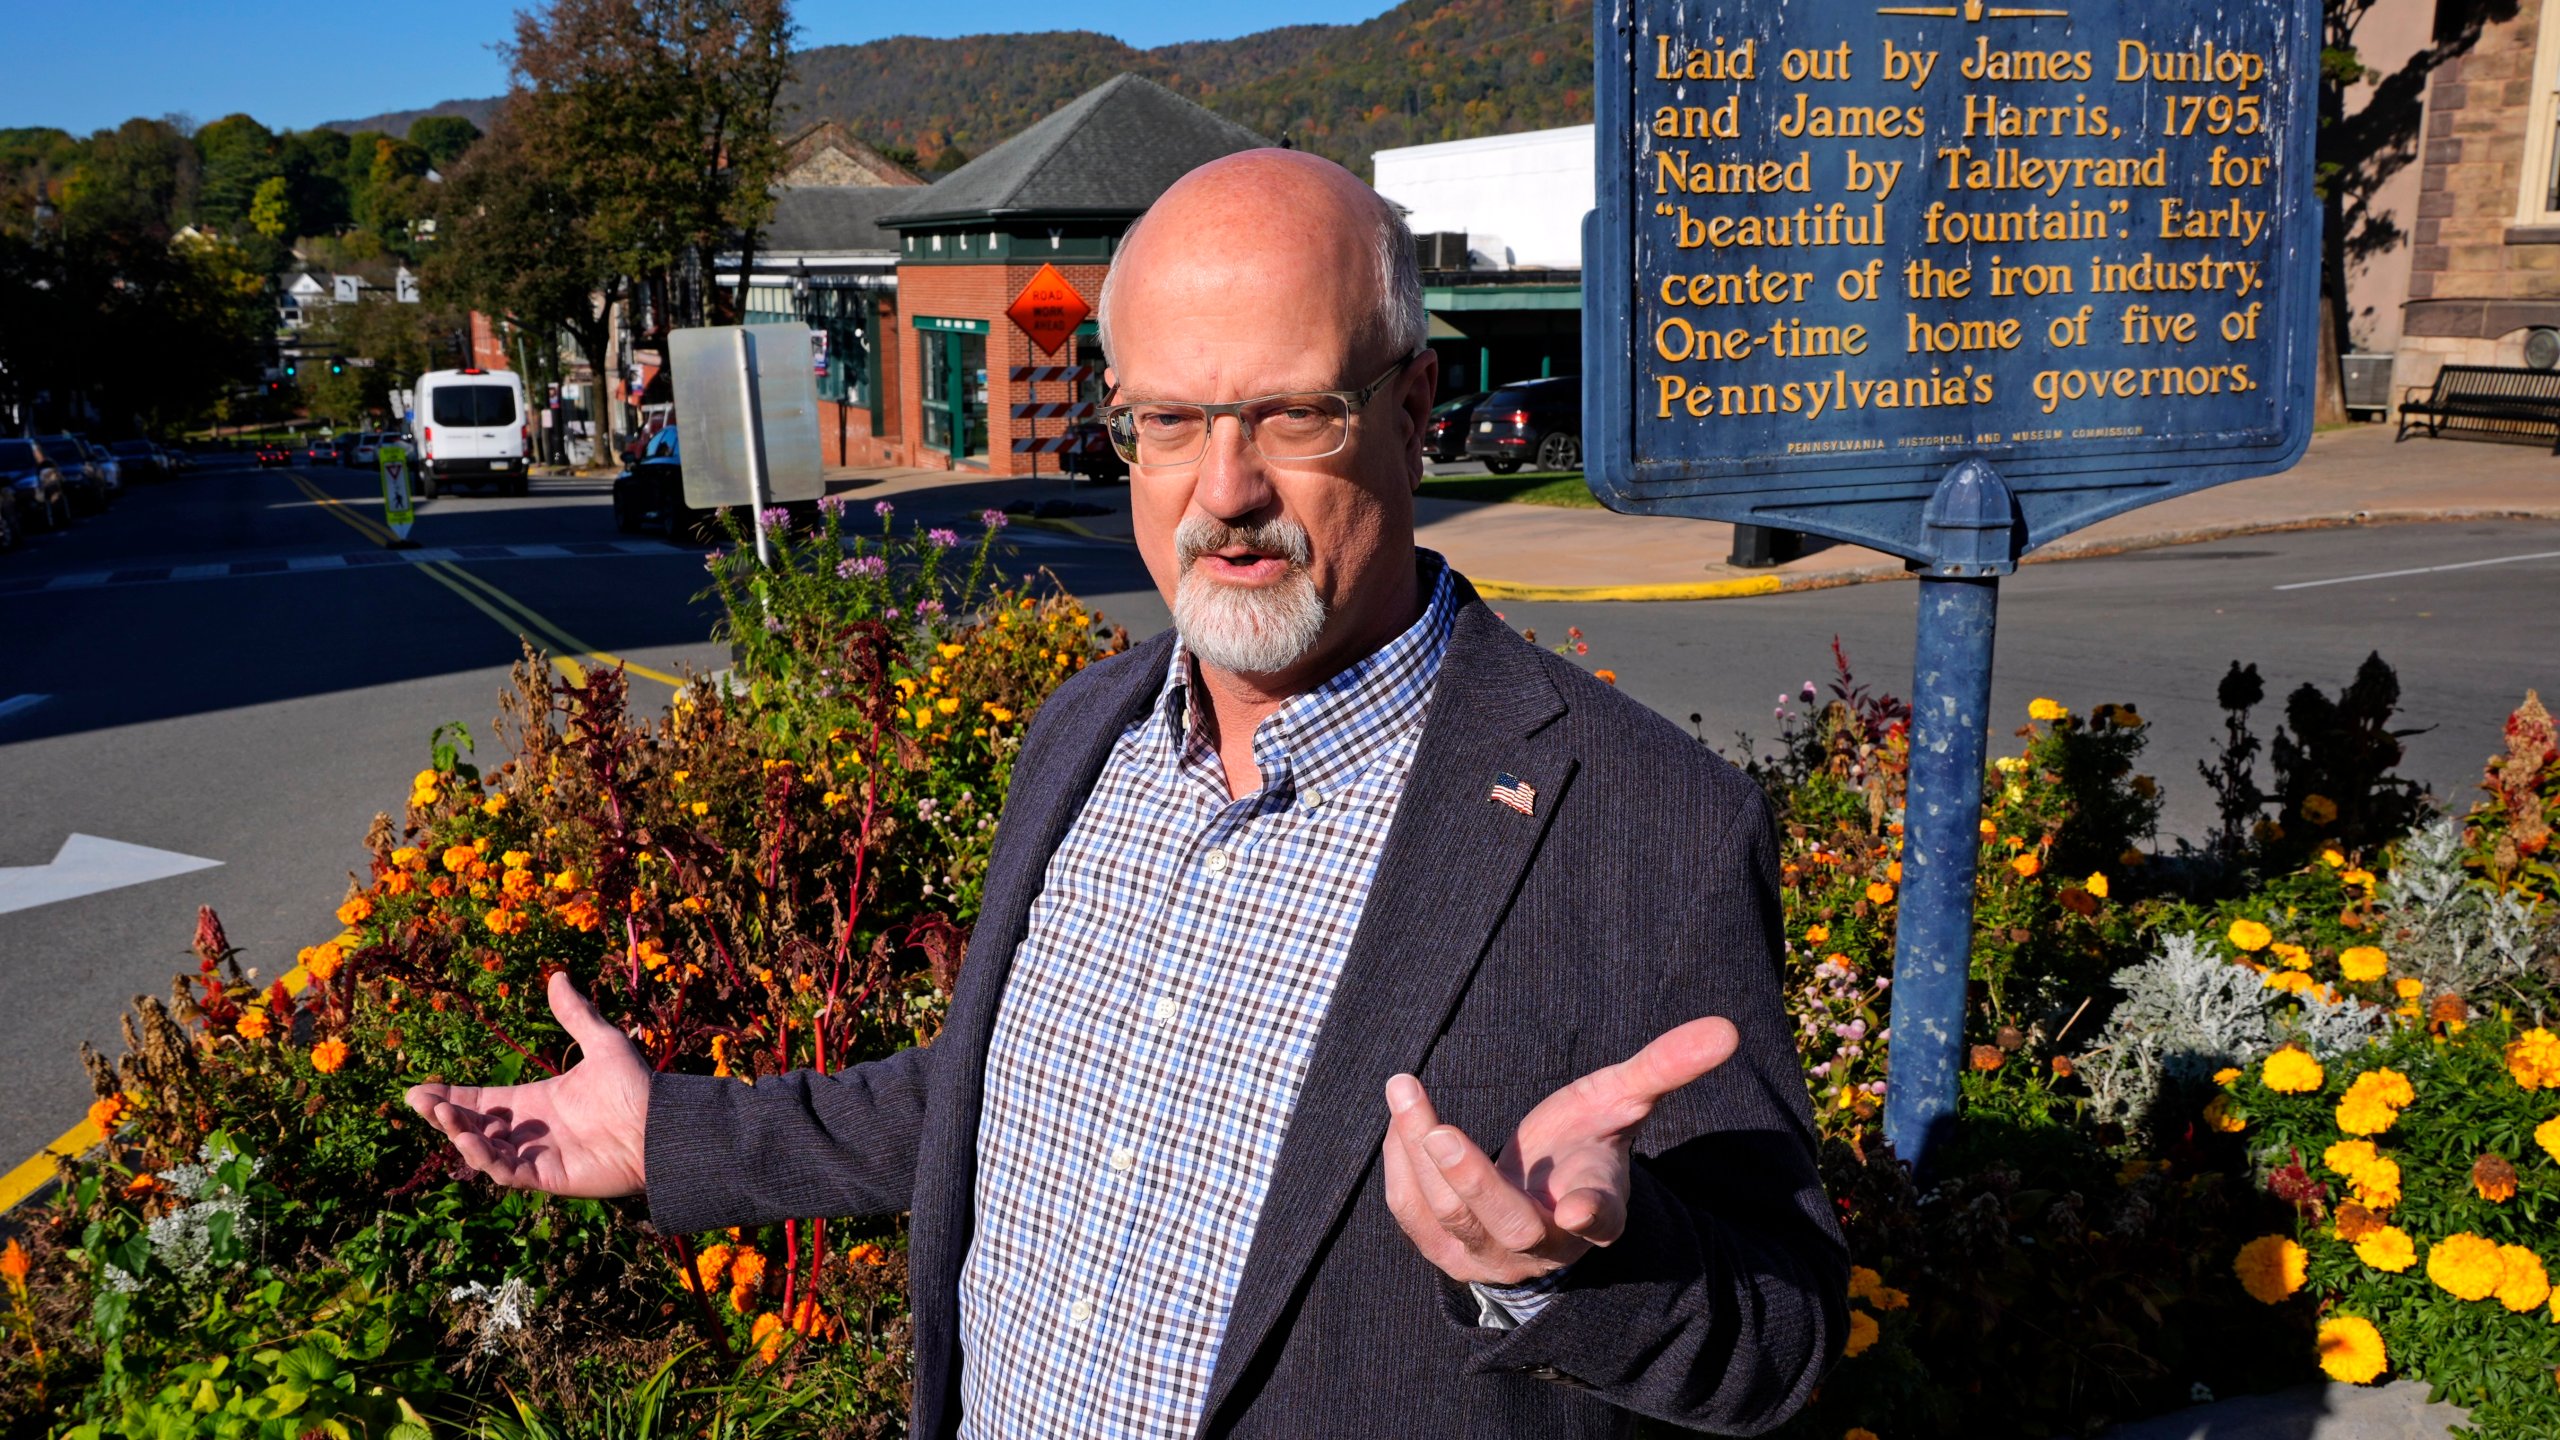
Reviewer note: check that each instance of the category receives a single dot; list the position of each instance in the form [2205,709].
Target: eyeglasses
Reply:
[1308,425]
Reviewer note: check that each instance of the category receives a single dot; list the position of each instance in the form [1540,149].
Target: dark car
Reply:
[272,453]
[650,497]
[1533,420]
[141,460]
[1092,457]
[84,480]
[13,525]
[1445,436]
[35,486]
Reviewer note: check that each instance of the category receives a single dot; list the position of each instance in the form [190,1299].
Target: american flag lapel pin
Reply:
[1515,792]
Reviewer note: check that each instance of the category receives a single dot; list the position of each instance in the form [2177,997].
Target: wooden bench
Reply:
[2492,399]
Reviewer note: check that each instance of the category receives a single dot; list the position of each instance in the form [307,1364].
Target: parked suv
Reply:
[1538,420]
[1445,437]
[36,482]
[140,460]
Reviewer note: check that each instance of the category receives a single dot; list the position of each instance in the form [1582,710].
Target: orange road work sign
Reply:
[1048,310]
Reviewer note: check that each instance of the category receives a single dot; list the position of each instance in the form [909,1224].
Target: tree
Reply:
[443,137]
[271,210]
[512,242]
[661,116]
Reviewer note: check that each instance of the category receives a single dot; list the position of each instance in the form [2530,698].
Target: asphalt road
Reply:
[260,720]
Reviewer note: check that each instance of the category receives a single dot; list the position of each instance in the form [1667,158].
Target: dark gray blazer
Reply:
[1500,956]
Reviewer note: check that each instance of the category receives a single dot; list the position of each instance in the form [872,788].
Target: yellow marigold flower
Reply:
[1879,892]
[2319,809]
[406,857]
[2387,1248]
[2364,1117]
[1989,829]
[948,652]
[2217,1114]
[1863,1282]
[2251,936]
[2373,1102]
[2226,1075]
[1000,715]
[2467,1266]
[2290,1071]
[328,1055]
[701,807]
[2096,884]
[2351,1350]
[2271,1268]
[2332,859]
[107,1112]
[2534,1059]
[2045,710]
[2350,1157]
[494,805]
[2408,989]
[2293,956]
[2547,1135]
[516,859]
[2361,963]
[2291,981]
[1864,1332]
[2360,877]
[2378,1188]
[2026,866]
[458,858]
[566,880]
[2522,1284]
[426,780]
[683,775]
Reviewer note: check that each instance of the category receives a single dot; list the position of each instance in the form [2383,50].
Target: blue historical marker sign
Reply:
[1843,247]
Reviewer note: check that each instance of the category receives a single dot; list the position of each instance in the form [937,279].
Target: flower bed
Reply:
[2308,1067]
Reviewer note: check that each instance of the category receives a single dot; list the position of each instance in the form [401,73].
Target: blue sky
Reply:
[87,64]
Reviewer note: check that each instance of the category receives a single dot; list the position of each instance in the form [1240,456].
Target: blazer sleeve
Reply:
[1726,1299]
[722,1153]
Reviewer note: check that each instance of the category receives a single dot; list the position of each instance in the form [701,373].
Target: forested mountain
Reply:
[1426,70]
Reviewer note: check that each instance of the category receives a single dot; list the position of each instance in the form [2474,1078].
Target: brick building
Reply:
[911,282]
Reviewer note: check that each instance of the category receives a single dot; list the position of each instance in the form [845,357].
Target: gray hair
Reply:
[1399,326]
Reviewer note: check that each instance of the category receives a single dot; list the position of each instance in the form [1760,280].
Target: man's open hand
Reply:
[1561,1185]
[582,1133]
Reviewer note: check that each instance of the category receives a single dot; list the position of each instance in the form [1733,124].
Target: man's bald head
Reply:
[1286,219]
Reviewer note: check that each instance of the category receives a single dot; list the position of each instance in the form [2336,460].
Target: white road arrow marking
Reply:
[88,865]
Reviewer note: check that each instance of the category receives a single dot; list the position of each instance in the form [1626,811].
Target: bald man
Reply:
[1372,1026]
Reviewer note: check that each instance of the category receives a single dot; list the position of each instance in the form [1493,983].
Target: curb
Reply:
[2050,554]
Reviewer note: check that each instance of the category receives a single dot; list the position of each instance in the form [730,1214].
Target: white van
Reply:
[472,428]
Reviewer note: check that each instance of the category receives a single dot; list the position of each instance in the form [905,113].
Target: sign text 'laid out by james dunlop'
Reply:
[1842,247]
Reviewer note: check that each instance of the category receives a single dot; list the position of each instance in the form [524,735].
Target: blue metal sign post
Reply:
[1949,281]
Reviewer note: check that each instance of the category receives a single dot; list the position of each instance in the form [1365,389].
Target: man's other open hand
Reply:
[581,1133]
[1561,1185]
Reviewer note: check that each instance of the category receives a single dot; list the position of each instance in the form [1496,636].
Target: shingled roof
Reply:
[831,219]
[1109,152]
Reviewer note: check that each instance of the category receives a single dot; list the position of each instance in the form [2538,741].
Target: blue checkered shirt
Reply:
[1154,1031]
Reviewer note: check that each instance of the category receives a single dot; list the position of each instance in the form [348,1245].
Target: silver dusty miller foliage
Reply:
[2451,934]
[2186,1013]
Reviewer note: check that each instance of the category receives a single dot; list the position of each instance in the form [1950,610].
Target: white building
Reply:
[1519,199]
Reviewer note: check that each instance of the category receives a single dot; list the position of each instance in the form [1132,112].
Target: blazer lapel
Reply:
[1453,860]
[1053,780]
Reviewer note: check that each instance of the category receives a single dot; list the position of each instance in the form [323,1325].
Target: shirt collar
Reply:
[1321,740]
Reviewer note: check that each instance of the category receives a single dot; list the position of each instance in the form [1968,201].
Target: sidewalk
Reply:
[2353,476]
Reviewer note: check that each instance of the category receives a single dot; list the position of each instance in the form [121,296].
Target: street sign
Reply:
[1843,247]
[407,286]
[398,510]
[1950,281]
[712,397]
[1048,310]
[349,289]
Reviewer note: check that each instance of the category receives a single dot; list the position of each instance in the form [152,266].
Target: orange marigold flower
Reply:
[867,1253]
[458,858]
[2467,1266]
[356,911]
[1864,1281]
[2251,936]
[1817,935]
[711,1263]
[2351,1350]
[767,1335]
[2294,956]
[2271,1268]
[1879,892]
[582,914]
[1864,1332]
[105,1113]
[2354,1222]
[143,1184]
[2025,865]
[1987,1057]
[2362,963]
[503,921]
[2217,1115]
[1606,677]
[253,1024]
[398,882]
[328,1055]
[2319,809]
[2493,1177]
[2063,1067]
[2533,1058]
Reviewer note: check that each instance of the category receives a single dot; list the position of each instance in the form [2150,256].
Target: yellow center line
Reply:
[525,618]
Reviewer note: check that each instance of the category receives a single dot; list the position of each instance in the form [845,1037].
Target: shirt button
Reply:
[1080,1312]
[1216,861]
[1311,797]
[1123,1158]
[1166,1008]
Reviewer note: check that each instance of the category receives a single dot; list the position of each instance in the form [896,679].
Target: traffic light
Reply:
[337,367]
[289,367]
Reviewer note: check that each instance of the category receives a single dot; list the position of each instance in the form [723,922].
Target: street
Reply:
[232,669]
